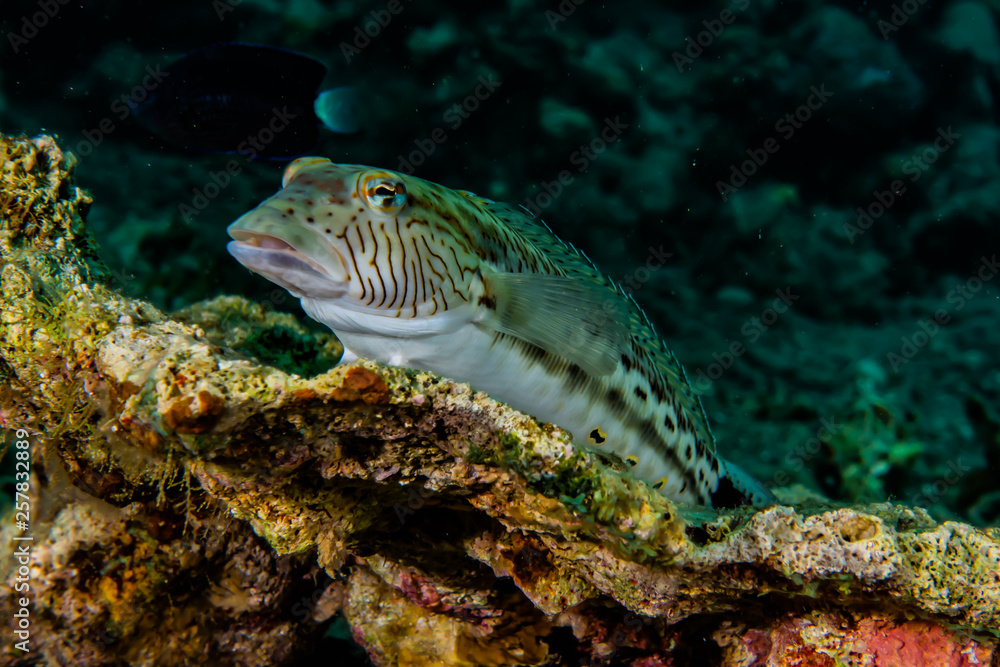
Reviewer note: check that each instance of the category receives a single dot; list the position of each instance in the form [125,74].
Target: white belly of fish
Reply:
[472,354]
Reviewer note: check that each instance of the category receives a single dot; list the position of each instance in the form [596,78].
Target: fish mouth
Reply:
[282,263]
[268,242]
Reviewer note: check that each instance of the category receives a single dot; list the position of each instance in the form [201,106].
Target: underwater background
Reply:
[824,177]
[803,196]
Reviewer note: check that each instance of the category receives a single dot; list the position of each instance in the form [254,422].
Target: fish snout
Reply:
[267,242]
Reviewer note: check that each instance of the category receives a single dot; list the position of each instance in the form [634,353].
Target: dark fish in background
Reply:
[259,101]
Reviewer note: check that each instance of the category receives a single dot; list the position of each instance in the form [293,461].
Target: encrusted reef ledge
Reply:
[194,504]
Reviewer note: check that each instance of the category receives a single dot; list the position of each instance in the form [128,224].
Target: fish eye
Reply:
[297,165]
[383,192]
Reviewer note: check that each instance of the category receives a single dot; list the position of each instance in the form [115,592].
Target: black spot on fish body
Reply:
[683,420]
[598,436]
[648,432]
[669,423]
[615,400]
[575,377]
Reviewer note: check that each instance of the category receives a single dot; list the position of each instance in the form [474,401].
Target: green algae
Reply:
[256,330]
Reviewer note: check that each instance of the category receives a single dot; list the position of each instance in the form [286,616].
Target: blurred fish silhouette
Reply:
[259,101]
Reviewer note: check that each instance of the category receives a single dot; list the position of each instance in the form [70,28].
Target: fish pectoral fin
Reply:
[562,315]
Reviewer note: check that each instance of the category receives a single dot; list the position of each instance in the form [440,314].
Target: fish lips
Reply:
[283,264]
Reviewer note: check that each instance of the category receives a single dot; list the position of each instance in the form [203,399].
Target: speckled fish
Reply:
[414,274]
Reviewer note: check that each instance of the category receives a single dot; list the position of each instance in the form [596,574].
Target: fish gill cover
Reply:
[801,197]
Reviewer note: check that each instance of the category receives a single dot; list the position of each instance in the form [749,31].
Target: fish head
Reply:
[281,241]
[361,239]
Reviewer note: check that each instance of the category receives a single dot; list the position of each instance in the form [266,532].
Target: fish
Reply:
[415,274]
[256,100]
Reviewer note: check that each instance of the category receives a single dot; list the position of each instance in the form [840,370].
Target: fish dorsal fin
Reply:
[672,371]
[566,256]
[562,315]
